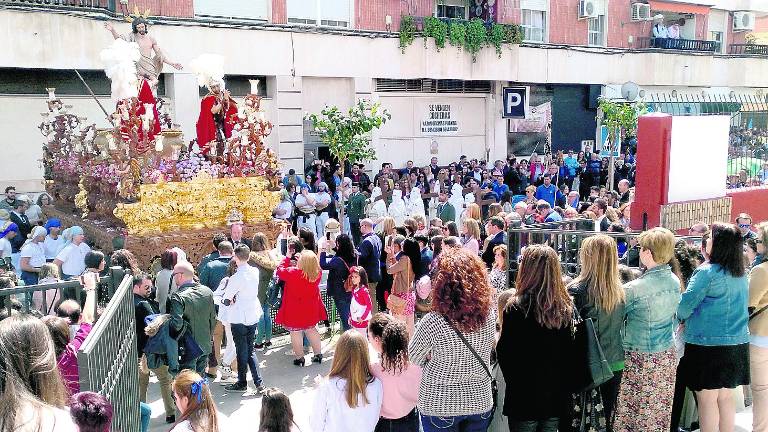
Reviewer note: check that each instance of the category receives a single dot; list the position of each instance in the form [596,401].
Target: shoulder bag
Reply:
[755,314]
[494,384]
[590,368]
[396,304]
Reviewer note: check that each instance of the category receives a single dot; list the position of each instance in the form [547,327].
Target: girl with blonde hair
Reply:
[598,294]
[195,403]
[471,235]
[472,212]
[301,308]
[350,399]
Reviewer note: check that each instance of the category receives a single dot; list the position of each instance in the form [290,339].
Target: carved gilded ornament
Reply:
[203,202]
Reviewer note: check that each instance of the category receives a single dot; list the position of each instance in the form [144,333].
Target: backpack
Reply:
[275,292]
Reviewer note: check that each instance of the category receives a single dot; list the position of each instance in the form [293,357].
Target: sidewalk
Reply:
[277,370]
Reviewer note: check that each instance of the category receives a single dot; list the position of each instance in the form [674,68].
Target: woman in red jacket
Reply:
[302,308]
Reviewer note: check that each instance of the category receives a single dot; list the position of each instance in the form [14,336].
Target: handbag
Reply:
[494,384]
[590,368]
[275,293]
[754,314]
[395,303]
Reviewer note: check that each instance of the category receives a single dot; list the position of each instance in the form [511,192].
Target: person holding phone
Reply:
[338,271]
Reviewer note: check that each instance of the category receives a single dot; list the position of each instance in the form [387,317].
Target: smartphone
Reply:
[328,236]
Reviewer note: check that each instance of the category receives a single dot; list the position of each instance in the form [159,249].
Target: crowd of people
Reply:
[748,157]
[425,286]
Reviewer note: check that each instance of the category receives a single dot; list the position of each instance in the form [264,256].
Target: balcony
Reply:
[64,4]
[750,49]
[678,44]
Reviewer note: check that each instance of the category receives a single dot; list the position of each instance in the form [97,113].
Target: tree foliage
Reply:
[348,135]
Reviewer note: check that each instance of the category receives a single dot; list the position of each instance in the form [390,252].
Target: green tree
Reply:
[348,136]
[621,121]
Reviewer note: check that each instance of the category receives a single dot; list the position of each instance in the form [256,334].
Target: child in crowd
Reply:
[350,399]
[276,412]
[360,309]
[389,337]
[91,412]
[195,403]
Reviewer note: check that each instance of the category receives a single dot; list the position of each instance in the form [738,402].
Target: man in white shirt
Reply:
[244,311]
[71,259]
[54,242]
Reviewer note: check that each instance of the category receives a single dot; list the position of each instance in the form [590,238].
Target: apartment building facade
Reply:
[311,53]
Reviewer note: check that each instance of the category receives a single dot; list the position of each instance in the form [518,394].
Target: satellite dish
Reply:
[629,91]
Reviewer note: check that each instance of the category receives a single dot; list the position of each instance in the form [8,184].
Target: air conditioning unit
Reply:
[743,21]
[588,9]
[641,12]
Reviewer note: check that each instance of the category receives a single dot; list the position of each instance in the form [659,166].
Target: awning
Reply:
[683,8]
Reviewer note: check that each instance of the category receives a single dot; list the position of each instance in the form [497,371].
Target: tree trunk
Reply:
[341,199]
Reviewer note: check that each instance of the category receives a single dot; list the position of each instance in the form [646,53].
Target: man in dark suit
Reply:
[236,235]
[600,207]
[495,229]
[369,257]
[426,253]
[22,221]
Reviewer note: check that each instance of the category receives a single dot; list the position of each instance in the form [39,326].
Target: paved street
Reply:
[278,371]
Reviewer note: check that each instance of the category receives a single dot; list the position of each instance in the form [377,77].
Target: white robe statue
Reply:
[415,203]
[397,207]
[377,210]
[457,200]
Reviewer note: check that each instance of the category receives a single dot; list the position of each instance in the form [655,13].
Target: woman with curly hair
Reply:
[535,338]
[389,337]
[455,388]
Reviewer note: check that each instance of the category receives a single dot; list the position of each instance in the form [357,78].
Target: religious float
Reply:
[139,185]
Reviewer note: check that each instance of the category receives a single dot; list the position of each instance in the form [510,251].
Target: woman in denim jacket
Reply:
[647,387]
[758,330]
[714,310]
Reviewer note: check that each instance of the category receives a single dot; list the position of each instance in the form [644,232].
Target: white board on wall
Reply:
[698,158]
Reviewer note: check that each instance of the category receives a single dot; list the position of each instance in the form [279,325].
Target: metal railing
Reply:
[44,298]
[738,49]
[330,307]
[108,359]
[566,240]
[64,4]
[678,44]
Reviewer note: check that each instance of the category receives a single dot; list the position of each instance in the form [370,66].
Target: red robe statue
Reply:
[208,124]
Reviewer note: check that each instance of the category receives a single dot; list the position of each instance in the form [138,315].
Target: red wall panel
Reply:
[279,12]
[750,200]
[169,8]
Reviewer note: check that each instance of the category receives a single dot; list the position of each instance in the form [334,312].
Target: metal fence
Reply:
[108,359]
[678,44]
[565,238]
[64,4]
[748,138]
[330,307]
[44,298]
[753,49]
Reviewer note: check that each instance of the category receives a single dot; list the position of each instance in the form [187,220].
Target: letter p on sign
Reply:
[514,102]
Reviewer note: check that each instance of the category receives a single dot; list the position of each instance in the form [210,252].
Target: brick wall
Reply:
[509,12]
[169,8]
[371,14]
[565,27]
[279,12]
[620,26]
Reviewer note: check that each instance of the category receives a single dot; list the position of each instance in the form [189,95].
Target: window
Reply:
[451,9]
[332,13]
[717,36]
[534,25]
[596,31]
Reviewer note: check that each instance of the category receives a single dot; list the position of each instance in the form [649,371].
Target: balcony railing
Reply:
[678,44]
[64,4]
[761,50]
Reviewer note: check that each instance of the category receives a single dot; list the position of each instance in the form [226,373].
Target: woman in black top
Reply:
[598,294]
[338,271]
[534,344]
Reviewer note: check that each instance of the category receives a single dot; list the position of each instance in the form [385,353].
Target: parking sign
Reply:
[514,102]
